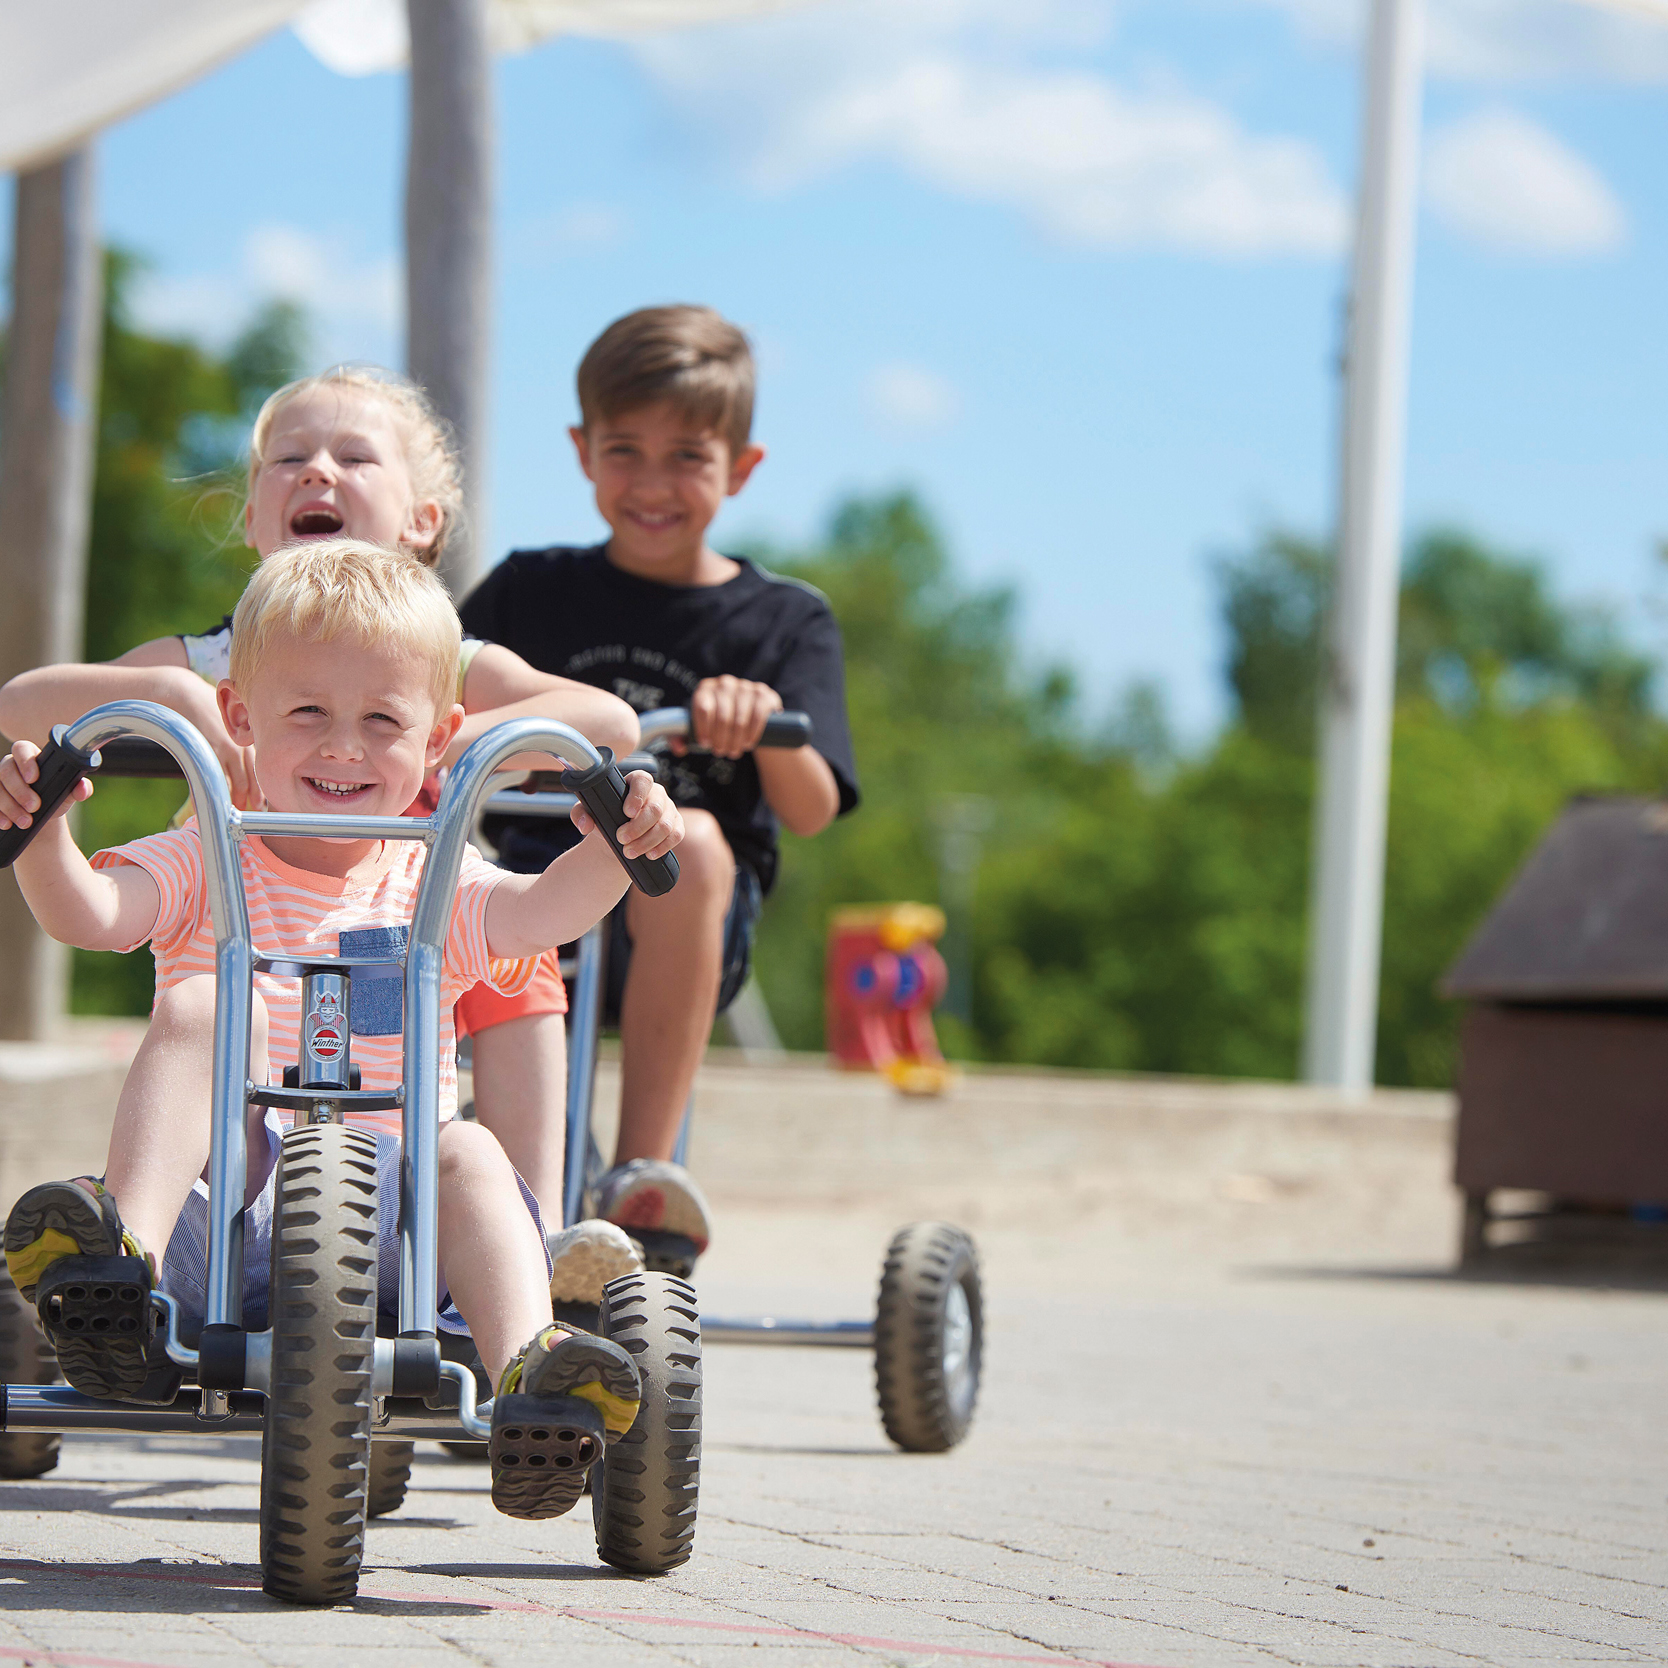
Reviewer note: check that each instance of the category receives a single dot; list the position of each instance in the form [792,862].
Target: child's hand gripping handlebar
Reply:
[601,789]
[60,767]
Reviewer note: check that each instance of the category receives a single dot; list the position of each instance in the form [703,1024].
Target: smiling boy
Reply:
[342,685]
[657,616]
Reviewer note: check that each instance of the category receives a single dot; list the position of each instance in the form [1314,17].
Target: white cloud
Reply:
[1515,40]
[1506,182]
[910,396]
[355,307]
[963,95]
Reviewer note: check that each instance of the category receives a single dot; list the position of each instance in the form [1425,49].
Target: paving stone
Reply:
[1196,1413]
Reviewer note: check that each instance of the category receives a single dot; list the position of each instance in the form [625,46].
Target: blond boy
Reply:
[342,684]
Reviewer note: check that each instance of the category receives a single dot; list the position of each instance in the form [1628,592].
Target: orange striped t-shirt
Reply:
[294,912]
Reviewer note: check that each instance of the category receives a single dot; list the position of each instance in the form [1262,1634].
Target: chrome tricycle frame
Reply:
[232,1366]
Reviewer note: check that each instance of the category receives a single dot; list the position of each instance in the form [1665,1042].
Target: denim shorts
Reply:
[185,1263]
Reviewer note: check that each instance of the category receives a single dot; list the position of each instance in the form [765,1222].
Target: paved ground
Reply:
[1236,1411]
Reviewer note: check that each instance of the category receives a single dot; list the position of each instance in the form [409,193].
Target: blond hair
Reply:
[691,357]
[431,454]
[331,589]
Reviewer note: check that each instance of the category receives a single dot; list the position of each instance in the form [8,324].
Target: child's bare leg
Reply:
[159,1142]
[671,989]
[490,1255]
[520,1095]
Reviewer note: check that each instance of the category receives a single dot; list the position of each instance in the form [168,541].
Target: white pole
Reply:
[448,237]
[1358,693]
[47,447]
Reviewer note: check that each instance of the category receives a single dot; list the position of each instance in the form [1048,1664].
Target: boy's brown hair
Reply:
[692,357]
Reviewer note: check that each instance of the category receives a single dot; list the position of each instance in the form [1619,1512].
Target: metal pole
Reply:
[47,446]
[963,821]
[448,235]
[1347,897]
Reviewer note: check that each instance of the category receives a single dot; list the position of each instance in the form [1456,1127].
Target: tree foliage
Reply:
[1138,908]
[1145,913]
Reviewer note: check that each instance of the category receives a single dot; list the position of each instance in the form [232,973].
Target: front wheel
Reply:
[316,1446]
[25,1358]
[929,1337]
[644,1488]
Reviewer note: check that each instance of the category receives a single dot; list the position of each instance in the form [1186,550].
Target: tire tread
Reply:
[316,1451]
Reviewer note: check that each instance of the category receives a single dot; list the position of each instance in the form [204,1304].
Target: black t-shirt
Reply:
[571,612]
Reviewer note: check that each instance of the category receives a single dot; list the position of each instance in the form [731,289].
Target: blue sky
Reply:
[1073,269]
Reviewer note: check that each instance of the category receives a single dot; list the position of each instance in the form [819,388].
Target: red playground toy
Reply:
[884,979]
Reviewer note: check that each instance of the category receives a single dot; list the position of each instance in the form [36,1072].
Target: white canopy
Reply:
[70,67]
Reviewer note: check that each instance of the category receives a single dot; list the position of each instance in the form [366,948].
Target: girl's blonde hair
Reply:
[431,454]
[330,589]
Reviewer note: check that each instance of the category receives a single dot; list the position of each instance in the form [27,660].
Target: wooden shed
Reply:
[1563,1078]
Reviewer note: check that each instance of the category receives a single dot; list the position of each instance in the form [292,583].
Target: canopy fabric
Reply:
[71,67]
[364,37]
[67,70]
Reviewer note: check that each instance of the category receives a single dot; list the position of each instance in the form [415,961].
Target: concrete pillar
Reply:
[1359,678]
[448,235]
[48,432]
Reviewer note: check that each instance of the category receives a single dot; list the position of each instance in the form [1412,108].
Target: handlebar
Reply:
[599,787]
[134,756]
[782,729]
[61,767]
[550,794]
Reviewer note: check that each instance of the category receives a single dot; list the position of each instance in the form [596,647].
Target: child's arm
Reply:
[93,909]
[728,715]
[32,702]
[501,685]
[530,913]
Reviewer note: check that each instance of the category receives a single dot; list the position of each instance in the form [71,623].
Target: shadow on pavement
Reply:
[153,1586]
[64,1495]
[552,1571]
[875,1452]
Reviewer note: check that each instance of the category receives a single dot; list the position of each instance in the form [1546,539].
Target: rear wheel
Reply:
[390,1477]
[929,1337]
[644,1488]
[316,1448]
[25,1358]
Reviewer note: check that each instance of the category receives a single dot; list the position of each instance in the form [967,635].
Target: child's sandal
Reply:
[90,1281]
[559,1404]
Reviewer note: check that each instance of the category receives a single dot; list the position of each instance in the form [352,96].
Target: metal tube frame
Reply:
[222,827]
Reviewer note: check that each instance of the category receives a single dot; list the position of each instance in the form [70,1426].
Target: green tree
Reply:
[1143,912]
[940,704]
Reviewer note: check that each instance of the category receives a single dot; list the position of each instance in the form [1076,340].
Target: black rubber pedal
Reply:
[541,1449]
[97,1313]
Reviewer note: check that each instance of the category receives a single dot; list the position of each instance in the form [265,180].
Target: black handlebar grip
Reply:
[787,729]
[136,756]
[601,789]
[61,767]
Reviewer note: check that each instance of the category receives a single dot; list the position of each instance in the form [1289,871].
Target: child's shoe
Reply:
[559,1403]
[90,1281]
[660,1205]
[585,1257]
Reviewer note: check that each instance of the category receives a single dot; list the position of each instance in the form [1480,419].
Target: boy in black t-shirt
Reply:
[658,617]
